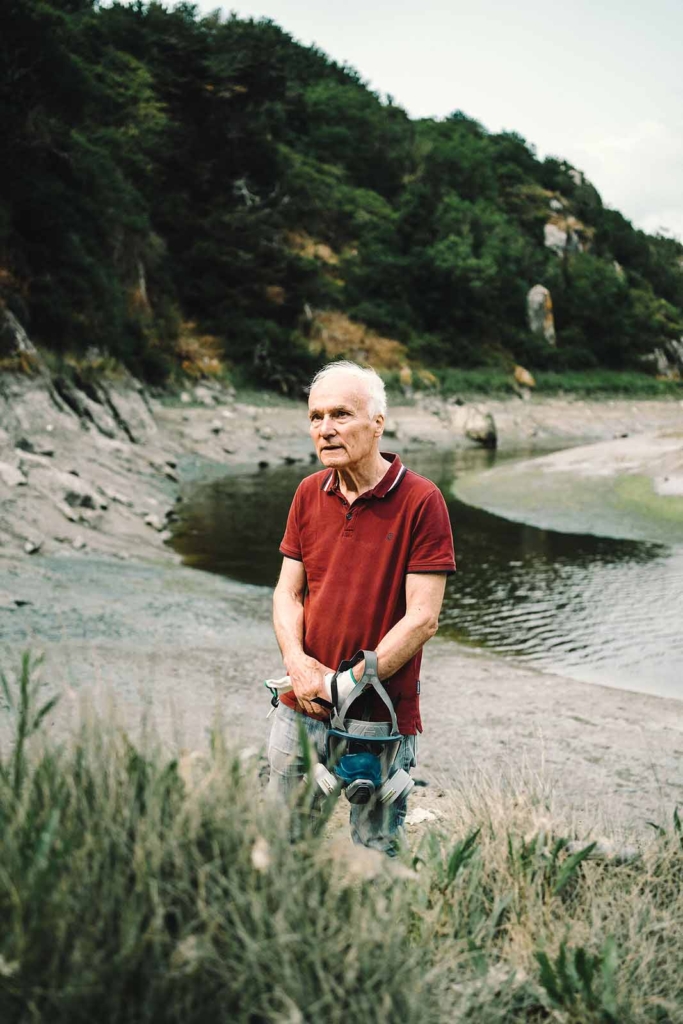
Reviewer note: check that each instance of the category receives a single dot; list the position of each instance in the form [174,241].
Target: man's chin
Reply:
[332,456]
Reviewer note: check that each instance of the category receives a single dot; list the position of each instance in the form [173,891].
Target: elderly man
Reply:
[367,550]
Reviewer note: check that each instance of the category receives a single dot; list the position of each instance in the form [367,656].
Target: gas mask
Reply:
[361,754]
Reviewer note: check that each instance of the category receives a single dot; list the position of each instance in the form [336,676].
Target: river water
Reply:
[597,609]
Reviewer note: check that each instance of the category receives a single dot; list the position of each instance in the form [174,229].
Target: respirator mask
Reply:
[361,754]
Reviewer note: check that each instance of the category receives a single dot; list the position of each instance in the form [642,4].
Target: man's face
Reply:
[343,432]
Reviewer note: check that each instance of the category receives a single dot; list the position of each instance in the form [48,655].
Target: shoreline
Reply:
[181,646]
[627,488]
[120,619]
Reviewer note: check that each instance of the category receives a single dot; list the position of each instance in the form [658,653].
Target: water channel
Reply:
[593,608]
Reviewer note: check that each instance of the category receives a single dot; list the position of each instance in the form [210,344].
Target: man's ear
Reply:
[379,424]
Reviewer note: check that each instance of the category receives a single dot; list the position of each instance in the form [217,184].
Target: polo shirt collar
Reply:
[389,482]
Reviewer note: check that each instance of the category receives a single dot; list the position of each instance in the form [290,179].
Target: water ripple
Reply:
[598,609]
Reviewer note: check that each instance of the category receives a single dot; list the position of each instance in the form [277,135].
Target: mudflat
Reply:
[152,642]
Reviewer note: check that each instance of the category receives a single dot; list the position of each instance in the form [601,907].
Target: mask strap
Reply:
[369,677]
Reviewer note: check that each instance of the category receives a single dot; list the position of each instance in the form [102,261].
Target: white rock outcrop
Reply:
[562,236]
[539,305]
[480,427]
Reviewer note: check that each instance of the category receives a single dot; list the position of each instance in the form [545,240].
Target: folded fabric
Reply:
[345,683]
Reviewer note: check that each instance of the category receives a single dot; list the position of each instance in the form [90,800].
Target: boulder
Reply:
[524,378]
[14,341]
[206,395]
[130,410]
[88,409]
[565,235]
[390,428]
[555,238]
[67,489]
[41,448]
[11,476]
[667,361]
[155,521]
[480,427]
[405,378]
[26,460]
[539,306]
[115,496]
[112,407]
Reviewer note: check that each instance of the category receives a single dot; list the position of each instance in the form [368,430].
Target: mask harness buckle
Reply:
[361,754]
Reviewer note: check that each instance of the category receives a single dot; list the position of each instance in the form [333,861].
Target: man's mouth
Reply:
[332,448]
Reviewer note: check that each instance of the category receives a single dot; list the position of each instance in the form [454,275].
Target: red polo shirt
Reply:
[356,559]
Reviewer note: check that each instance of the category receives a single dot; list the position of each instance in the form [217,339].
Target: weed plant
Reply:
[498,383]
[582,383]
[139,887]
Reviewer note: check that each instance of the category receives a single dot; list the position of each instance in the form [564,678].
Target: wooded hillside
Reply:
[178,189]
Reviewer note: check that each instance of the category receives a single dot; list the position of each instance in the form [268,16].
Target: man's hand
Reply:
[306,674]
[308,681]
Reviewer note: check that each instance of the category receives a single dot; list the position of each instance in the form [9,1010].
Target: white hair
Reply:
[371,380]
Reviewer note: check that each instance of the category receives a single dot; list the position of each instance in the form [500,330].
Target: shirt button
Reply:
[349,515]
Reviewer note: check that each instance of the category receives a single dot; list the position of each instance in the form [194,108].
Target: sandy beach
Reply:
[120,620]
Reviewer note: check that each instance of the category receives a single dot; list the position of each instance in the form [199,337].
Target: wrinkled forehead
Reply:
[340,389]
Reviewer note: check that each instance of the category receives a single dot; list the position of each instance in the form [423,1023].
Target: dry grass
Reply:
[136,886]
[200,355]
[338,337]
[302,243]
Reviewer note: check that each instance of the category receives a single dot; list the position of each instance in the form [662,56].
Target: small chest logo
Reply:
[389,536]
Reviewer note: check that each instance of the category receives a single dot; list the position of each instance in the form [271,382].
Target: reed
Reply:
[137,886]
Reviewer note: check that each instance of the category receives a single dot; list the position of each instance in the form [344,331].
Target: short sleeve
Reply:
[431,544]
[290,546]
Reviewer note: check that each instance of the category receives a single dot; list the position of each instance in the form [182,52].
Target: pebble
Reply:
[154,521]
[421,814]
[11,476]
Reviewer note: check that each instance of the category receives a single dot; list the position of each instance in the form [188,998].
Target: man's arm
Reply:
[306,673]
[424,596]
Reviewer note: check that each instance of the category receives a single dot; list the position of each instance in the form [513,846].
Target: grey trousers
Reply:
[372,825]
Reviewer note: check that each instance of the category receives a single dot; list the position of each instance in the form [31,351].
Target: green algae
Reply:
[624,506]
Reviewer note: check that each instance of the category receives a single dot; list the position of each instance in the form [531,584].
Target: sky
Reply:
[598,83]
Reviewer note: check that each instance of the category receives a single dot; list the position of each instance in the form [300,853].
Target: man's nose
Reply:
[327,426]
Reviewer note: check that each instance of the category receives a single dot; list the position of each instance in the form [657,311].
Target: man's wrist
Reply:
[292,656]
